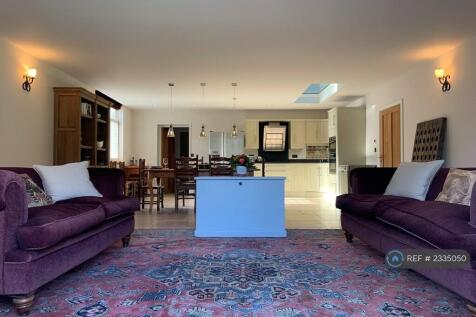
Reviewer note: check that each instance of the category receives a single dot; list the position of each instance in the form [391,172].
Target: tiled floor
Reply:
[303,212]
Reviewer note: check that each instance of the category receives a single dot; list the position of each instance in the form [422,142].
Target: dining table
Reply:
[157,173]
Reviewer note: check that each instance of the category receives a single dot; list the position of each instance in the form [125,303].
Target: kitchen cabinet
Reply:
[332,124]
[317,132]
[322,131]
[298,134]
[301,177]
[311,132]
[252,134]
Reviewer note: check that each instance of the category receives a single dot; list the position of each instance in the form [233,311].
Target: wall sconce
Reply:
[443,79]
[29,77]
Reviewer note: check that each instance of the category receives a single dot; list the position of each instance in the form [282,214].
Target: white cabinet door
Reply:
[312,171]
[322,131]
[280,170]
[332,122]
[311,132]
[298,134]
[252,134]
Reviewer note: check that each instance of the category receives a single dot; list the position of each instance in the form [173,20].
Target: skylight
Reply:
[315,88]
[317,93]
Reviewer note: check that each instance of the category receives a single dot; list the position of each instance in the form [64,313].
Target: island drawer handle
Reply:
[240,183]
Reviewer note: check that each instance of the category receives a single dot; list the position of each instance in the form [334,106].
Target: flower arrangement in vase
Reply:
[242,164]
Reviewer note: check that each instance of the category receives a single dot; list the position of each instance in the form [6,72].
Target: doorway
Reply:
[390,136]
[171,148]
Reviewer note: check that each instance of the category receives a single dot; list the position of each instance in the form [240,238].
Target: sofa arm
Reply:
[13,209]
[108,181]
[370,180]
[472,208]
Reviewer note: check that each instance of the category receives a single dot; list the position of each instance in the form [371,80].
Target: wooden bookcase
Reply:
[81,120]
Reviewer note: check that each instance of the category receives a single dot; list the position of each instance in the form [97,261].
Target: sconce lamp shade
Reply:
[439,73]
[31,72]
[29,76]
[443,79]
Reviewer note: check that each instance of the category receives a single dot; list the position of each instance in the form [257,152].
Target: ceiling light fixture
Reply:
[234,131]
[171,132]
[203,133]
[443,79]
[29,76]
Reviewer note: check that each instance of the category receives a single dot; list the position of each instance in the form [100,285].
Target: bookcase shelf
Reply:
[81,120]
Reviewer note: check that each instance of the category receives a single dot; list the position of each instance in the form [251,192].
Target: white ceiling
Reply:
[273,48]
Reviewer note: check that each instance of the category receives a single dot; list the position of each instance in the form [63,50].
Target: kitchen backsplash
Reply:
[317,152]
[297,154]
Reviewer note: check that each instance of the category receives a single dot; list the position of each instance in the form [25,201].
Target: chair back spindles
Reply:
[142,176]
[186,169]
[220,166]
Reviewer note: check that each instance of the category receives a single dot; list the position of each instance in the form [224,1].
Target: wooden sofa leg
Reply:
[472,309]
[125,241]
[23,303]
[348,236]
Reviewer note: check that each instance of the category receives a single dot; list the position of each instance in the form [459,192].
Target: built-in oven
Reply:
[332,155]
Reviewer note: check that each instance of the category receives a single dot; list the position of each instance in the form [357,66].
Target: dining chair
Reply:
[112,164]
[145,196]
[186,169]
[220,166]
[131,175]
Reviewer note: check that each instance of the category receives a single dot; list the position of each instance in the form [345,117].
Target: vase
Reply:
[241,170]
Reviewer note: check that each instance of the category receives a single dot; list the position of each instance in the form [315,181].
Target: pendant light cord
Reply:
[171,85]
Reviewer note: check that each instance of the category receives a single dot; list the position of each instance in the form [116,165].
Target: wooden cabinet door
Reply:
[67,128]
[311,132]
[298,134]
[252,134]
[390,145]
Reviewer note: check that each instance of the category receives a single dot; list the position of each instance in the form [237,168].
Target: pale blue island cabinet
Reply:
[230,206]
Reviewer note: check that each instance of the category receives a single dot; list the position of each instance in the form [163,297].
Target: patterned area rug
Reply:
[310,273]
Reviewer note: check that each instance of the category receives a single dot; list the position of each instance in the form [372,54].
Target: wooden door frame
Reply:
[159,137]
[402,134]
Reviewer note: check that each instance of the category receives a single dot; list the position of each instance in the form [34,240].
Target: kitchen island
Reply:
[228,206]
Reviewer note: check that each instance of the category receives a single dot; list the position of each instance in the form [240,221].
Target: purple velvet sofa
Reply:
[39,244]
[387,223]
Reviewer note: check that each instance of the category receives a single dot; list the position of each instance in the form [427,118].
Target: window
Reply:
[114,134]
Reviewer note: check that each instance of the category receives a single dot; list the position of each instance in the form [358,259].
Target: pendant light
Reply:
[234,131]
[203,133]
[171,132]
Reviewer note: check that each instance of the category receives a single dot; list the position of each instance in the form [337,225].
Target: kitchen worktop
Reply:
[301,161]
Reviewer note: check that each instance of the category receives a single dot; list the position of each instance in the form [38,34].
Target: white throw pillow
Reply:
[413,179]
[67,181]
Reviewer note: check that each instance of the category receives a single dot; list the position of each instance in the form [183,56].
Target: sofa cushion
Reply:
[413,179]
[67,181]
[458,187]
[35,196]
[48,225]
[440,224]
[113,206]
[361,204]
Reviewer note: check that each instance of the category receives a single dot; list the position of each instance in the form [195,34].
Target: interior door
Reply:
[390,143]
[168,150]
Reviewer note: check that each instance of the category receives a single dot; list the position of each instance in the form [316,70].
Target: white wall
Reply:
[126,134]
[145,122]
[423,100]
[26,119]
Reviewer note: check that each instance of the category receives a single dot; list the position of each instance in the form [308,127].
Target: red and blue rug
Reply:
[310,273]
